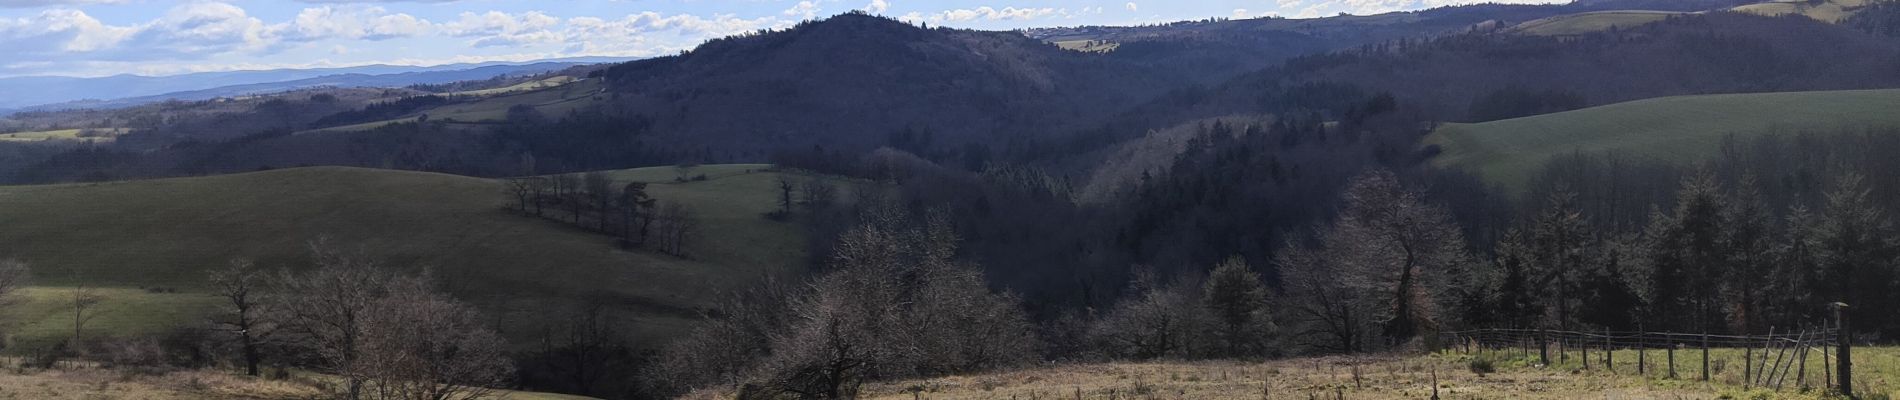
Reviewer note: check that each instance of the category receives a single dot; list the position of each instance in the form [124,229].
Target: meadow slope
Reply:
[1681,129]
[163,235]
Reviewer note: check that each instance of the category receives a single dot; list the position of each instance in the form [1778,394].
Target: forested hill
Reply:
[852,80]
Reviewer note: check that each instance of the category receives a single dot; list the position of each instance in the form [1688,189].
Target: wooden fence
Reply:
[1767,361]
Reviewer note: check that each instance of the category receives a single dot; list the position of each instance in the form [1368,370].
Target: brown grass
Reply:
[1383,377]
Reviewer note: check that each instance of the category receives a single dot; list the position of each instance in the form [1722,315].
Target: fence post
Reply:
[1609,352]
[1801,354]
[1642,353]
[1748,363]
[1543,347]
[1584,344]
[1705,355]
[1671,345]
[1846,355]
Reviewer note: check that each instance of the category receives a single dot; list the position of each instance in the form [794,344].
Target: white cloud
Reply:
[1240,13]
[986,13]
[804,9]
[370,23]
[43,3]
[495,28]
[1133,7]
[877,6]
[1366,7]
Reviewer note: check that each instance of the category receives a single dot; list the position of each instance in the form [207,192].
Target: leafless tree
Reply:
[1383,260]
[240,286]
[567,187]
[14,274]
[636,212]
[326,310]
[85,300]
[1160,319]
[1399,246]
[819,193]
[598,189]
[389,336]
[685,170]
[785,196]
[423,345]
[522,191]
[677,227]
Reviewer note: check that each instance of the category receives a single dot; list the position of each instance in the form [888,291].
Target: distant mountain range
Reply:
[59,92]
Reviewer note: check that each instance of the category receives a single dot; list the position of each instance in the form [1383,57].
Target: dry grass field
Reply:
[1393,377]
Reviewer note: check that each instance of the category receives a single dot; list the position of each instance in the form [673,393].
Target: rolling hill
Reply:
[1681,129]
[134,238]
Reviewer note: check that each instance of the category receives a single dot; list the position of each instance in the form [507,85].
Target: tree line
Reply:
[384,334]
[593,201]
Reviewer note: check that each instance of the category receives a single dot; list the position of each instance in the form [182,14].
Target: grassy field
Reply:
[1088,45]
[104,384]
[555,100]
[64,134]
[1825,10]
[519,87]
[1681,129]
[1390,377]
[524,271]
[1573,24]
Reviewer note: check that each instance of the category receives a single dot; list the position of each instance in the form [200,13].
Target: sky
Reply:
[153,37]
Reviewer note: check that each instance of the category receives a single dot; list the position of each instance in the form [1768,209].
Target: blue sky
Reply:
[151,37]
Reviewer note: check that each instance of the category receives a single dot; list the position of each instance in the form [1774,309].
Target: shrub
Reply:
[1483,366]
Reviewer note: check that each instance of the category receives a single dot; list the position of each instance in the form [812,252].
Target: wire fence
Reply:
[1796,358]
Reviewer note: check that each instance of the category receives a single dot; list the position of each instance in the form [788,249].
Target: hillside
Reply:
[1681,129]
[1467,77]
[166,233]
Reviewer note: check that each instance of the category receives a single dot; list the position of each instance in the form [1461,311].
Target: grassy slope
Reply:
[63,134]
[551,101]
[1589,22]
[1826,11]
[1877,371]
[166,233]
[1681,129]
[519,87]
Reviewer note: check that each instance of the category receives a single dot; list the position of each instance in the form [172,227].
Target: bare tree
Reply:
[784,197]
[14,274]
[1400,246]
[598,190]
[326,309]
[636,212]
[388,336]
[567,187]
[819,193]
[677,227]
[539,189]
[522,191]
[240,286]
[85,300]
[1157,320]
[685,170]
[423,345]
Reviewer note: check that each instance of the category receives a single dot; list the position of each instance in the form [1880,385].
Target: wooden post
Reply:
[1748,361]
[1609,352]
[1801,371]
[1672,356]
[1764,354]
[1642,353]
[1705,356]
[1773,368]
[1543,348]
[1846,356]
[1585,346]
